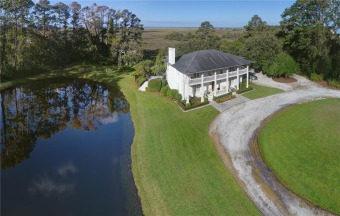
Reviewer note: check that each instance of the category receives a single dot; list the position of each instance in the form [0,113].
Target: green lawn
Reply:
[175,165]
[302,146]
[261,91]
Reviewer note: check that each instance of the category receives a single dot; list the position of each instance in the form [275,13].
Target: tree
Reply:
[144,68]
[312,35]
[283,65]
[255,25]
[311,13]
[126,43]
[205,31]
[43,15]
[233,47]
[262,48]
[159,67]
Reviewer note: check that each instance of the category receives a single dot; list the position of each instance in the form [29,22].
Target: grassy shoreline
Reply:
[306,163]
[176,168]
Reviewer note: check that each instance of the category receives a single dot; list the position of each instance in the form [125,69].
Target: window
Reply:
[196,75]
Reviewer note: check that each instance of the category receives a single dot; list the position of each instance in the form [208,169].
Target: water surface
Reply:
[65,150]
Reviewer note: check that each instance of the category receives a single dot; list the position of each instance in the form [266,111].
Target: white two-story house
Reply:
[206,72]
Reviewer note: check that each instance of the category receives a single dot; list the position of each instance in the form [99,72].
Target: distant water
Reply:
[65,150]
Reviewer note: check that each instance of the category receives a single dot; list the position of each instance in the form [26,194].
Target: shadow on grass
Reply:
[104,74]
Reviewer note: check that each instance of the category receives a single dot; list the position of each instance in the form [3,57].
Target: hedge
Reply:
[155,85]
[164,90]
[174,95]
[189,106]
[224,98]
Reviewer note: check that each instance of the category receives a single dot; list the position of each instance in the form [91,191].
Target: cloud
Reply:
[112,119]
[68,168]
[48,187]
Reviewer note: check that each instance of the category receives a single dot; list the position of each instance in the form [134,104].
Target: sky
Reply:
[176,13]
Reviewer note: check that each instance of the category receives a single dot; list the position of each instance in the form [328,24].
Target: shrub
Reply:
[283,65]
[173,94]
[140,80]
[194,100]
[164,90]
[224,98]
[189,106]
[155,85]
[334,83]
[125,69]
[316,77]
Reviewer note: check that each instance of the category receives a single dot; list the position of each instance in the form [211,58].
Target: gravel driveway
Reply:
[235,129]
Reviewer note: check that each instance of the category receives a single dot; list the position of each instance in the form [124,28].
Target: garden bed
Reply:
[284,79]
[223,98]
[194,102]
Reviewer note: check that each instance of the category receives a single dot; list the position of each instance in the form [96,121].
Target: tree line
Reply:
[39,36]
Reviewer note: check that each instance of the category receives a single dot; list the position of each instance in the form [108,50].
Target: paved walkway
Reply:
[230,103]
[235,129]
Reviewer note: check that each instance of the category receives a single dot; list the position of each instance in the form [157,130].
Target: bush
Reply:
[164,90]
[334,83]
[283,65]
[194,100]
[173,94]
[242,90]
[189,106]
[125,69]
[140,80]
[155,85]
[316,77]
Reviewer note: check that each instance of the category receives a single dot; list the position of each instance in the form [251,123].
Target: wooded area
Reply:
[40,37]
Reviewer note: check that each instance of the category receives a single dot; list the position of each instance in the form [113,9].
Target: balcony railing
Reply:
[207,79]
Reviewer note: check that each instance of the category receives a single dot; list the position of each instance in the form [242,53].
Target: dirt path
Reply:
[233,132]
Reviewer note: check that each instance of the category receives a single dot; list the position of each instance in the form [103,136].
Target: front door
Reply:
[213,86]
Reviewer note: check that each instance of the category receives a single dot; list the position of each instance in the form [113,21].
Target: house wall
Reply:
[179,81]
[175,79]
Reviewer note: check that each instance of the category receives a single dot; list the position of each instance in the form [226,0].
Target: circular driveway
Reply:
[236,128]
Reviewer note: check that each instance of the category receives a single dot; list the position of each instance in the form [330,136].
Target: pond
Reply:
[65,150]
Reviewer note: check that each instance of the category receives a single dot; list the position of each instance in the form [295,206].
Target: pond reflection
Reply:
[66,140]
[45,108]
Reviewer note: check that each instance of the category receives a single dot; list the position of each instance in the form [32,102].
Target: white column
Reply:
[187,90]
[202,91]
[184,95]
[215,90]
[238,79]
[247,76]
[227,81]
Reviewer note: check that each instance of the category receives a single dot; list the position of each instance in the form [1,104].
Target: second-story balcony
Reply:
[223,76]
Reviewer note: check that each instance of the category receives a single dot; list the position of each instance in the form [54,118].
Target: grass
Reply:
[302,146]
[176,168]
[153,38]
[261,91]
